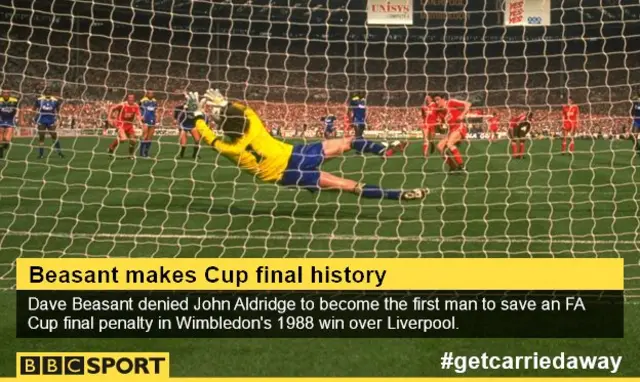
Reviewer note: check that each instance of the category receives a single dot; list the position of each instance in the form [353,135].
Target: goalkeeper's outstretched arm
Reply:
[248,144]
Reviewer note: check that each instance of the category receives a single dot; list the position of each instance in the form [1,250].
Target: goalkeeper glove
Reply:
[212,98]
[217,101]
[194,104]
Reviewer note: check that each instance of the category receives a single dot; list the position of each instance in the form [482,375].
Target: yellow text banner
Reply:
[319,274]
[285,379]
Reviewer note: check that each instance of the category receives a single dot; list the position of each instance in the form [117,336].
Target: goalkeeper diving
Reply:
[247,142]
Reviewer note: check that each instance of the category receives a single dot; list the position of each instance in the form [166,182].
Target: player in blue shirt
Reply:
[148,111]
[358,115]
[635,124]
[47,108]
[186,123]
[329,126]
[8,118]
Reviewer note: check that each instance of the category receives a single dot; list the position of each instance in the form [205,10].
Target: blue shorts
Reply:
[303,169]
[150,123]
[635,127]
[187,129]
[7,125]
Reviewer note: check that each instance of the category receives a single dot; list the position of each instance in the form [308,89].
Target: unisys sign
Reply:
[390,12]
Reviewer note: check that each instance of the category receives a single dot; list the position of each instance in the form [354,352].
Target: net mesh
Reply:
[294,62]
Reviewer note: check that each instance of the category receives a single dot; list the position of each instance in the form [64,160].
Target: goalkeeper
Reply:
[247,143]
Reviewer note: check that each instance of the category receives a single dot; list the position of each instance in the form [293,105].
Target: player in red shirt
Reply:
[124,115]
[430,120]
[493,122]
[519,127]
[570,114]
[452,113]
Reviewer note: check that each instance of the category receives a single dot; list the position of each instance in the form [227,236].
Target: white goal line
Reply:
[309,237]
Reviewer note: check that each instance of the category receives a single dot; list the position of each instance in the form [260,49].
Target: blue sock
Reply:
[143,148]
[362,145]
[375,192]
[147,148]
[57,146]
[41,151]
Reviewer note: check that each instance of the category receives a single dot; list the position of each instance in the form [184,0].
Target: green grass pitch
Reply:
[546,205]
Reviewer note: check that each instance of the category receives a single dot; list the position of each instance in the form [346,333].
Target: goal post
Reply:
[294,62]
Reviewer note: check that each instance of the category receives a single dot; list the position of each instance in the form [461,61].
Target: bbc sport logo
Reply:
[534,20]
[97,365]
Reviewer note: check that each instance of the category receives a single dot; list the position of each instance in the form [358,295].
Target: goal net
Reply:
[294,62]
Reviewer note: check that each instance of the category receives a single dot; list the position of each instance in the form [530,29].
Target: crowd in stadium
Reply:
[292,90]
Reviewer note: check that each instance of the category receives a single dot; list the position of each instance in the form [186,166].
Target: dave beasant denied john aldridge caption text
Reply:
[208,312]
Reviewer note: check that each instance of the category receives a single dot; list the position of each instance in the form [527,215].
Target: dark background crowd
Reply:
[297,62]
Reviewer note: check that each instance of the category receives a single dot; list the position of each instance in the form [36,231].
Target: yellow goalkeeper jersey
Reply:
[256,151]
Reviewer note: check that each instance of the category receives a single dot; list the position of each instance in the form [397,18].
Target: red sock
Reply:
[451,163]
[564,145]
[425,149]
[521,149]
[113,145]
[571,146]
[514,149]
[457,156]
